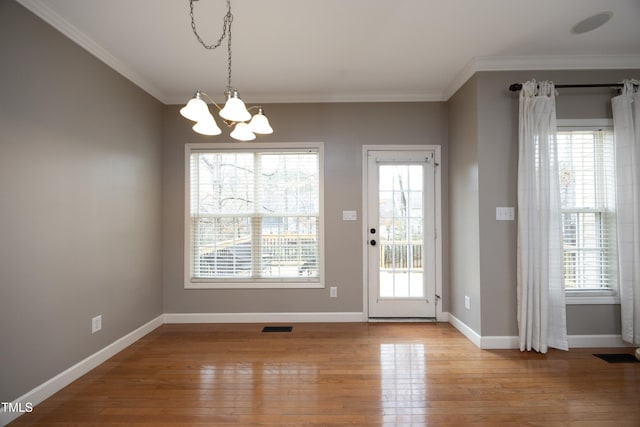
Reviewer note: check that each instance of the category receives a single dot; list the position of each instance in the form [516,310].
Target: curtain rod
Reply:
[518,86]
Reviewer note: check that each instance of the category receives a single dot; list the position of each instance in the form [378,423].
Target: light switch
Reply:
[505,214]
[349,215]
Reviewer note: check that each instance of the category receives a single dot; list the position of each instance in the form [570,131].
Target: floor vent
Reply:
[618,358]
[277,329]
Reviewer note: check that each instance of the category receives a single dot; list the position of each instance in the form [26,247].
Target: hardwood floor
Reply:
[363,374]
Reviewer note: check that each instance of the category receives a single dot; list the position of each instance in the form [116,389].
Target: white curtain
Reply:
[626,125]
[541,299]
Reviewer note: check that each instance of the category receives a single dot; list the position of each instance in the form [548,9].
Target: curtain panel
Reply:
[626,124]
[540,293]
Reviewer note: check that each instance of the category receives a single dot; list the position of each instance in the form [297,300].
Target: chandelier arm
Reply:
[226,26]
[229,123]
[210,99]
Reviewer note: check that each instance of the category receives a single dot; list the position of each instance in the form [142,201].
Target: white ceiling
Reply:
[342,50]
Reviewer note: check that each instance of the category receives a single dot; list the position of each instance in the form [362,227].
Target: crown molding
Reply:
[327,97]
[40,9]
[460,79]
[540,62]
[556,62]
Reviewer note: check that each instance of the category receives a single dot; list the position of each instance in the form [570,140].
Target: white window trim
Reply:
[239,283]
[589,296]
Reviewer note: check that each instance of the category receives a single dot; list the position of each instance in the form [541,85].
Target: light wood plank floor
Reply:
[342,374]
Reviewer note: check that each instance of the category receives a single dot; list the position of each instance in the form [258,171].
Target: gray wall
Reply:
[344,128]
[496,145]
[464,262]
[80,203]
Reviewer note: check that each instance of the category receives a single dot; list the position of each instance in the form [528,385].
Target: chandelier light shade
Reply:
[207,126]
[234,110]
[196,109]
[260,124]
[242,132]
[235,113]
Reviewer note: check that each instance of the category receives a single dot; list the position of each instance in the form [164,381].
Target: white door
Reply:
[401,234]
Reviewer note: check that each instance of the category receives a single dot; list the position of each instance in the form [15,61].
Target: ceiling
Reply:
[342,50]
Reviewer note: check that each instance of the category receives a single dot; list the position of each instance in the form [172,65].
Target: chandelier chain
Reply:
[229,48]
[226,32]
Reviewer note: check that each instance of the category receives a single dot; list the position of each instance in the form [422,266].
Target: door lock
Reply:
[372,231]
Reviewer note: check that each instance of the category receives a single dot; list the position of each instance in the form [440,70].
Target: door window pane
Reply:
[401,236]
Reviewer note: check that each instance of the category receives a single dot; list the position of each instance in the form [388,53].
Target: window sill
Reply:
[249,285]
[592,297]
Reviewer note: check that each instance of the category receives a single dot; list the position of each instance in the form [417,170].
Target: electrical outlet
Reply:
[467,303]
[333,291]
[96,324]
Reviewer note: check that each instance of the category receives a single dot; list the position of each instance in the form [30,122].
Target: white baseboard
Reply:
[499,342]
[57,383]
[401,320]
[486,342]
[465,330]
[443,317]
[586,341]
[512,342]
[320,317]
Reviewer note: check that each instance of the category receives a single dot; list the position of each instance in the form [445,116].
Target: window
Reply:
[587,192]
[253,216]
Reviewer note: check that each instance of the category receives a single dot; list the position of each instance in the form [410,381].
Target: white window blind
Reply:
[254,216]
[587,186]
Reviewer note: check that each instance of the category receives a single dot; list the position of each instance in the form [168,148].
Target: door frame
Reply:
[438,220]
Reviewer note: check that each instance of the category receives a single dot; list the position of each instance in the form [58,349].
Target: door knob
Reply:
[373,242]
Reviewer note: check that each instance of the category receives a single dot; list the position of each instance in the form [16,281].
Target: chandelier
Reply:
[234,114]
